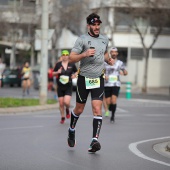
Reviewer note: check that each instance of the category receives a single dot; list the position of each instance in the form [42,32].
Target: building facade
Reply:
[19,20]
[117,25]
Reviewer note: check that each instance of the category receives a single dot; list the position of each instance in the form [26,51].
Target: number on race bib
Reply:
[92,83]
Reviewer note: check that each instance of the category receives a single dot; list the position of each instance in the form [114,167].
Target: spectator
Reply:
[2,68]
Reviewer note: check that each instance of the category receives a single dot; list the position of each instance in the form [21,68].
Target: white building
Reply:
[129,44]
[18,20]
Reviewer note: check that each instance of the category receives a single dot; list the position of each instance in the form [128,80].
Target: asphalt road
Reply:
[37,141]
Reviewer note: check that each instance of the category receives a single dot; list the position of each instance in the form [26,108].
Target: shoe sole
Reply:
[96,147]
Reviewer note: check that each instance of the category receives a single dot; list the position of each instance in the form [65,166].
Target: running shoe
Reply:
[62,120]
[67,113]
[106,114]
[94,146]
[28,92]
[112,119]
[71,138]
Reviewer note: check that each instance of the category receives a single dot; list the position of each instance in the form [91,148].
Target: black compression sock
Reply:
[97,123]
[73,120]
[113,106]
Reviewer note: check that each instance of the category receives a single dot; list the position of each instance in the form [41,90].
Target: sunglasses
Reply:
[65,55]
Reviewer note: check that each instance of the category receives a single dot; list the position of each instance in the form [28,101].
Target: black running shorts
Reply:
[63,91]
[109,91]
[82,92]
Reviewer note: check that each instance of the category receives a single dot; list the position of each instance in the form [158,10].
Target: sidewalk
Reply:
[15,110]
[154,91]
[152,94]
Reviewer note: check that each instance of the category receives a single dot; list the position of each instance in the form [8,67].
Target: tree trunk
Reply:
[13,56]
[32,56]
[145,77]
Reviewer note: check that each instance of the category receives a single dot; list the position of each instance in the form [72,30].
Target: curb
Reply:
[28,108]
[168,147]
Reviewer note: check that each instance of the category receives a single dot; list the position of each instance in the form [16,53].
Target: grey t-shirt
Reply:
[91,67]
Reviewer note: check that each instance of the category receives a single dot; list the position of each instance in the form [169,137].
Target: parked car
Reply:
[11,77]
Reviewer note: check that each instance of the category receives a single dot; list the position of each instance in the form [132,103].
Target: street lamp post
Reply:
[44,53]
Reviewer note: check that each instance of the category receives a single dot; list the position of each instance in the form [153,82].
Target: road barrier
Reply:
[128,90]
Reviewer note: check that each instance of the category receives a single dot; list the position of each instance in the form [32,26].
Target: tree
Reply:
[68,14]
[144,15]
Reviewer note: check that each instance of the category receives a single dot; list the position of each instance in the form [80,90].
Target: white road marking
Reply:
[118,110]
[48,116]
[24,127]
[157,115]
[150,101]
[133,148]
[121,110]
[82,116]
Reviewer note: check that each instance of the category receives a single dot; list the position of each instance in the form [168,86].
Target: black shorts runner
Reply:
[63,91]
[109,91]
[50,79]
[26,78]
[82,92]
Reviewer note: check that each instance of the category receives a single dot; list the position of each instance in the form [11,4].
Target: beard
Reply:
[114,56]
[93,34]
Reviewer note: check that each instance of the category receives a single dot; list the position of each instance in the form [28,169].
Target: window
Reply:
[161,53]
[122,54]
[14,2]
[137,53]
[3,2]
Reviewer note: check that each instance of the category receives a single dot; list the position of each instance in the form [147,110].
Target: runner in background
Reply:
[50,78]
[65,72]
[26,78]
[112,82]
[2,68]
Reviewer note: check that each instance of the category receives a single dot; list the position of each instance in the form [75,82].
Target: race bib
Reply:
[92,83]
[112,78]
[64,79]
[26,75]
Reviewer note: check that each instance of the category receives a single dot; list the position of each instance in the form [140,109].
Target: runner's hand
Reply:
[73,76]
[59,70]
[106,78]
[111,61]
[90,52]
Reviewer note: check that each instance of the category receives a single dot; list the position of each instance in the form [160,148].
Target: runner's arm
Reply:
[107,59]
[57,69]
[122,68]
[124,72]
[74,57]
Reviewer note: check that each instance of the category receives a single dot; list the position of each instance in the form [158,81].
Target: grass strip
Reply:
[15,102]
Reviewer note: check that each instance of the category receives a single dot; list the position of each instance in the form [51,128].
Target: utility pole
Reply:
[44,53]
[13,49]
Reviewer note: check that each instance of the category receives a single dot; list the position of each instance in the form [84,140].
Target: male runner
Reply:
[112,82]
[91,50]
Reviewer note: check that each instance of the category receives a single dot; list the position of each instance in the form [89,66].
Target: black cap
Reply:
[92,18]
